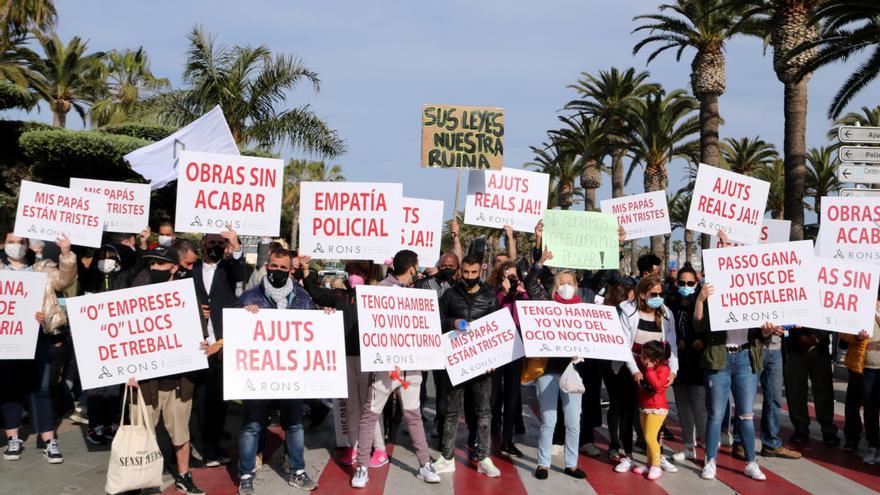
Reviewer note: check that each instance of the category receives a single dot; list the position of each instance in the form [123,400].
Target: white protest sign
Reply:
[850,229]
[128,203]
[490,342]
[46,212]
[349,220]
[641,215]
[142,332]
[773,283]
[509,196]
[283,354]
[398,327]
[215,190]
[728,201]
[772,231]
[551,329]
[21,296]
[421,228]
[848,292]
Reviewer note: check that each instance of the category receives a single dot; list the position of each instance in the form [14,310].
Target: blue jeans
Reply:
[35,378]
[771,385]
[548,393]
[738,378]
[256,413]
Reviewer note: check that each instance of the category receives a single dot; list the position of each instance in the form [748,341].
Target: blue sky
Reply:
[379,61]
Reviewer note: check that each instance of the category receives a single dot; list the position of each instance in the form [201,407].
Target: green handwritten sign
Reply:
[581,239]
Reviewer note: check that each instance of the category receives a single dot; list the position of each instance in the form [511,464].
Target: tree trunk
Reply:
[634,257]
[59,119]
[689,246]
[294,229]
[618,174]
[590,200]
[665,268]
[817,199]
[795,149]
[710,154]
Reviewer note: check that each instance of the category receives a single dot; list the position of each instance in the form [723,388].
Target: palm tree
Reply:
[822,176]
[745,155]
[66,78]
[296,172]
[250,84]
[552,159]
[585,138]
[677,248]
[774,173]
[20,16]
[679,207]
[870,117]
[128,80]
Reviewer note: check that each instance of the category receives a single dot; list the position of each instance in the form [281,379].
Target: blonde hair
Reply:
[559,275]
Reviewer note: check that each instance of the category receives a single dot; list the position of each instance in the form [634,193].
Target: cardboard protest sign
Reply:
[350,220]
[455,136]
[580,239]
[728,201]
[215,190]
[850,229]
[128,203]
[641,215]
[341,423]
[509,196]
[773,283]
[490,342]
[142,332]
[847,291]
[398,327]
[551,329]
[21,296]
[772,231]
[283,354]
[421,228]
[47,212]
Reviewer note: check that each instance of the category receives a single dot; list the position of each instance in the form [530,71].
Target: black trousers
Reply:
[210,408]
[506,398]
[852,426]
[622,408]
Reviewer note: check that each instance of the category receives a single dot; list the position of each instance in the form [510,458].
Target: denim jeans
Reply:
[481,387]
[737,377]
[548,393]
[771,386]
[256,413]
[36,375]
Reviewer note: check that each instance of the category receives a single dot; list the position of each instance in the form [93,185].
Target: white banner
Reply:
[850,229]
[510,196]
[641,215]
[241,191]
[21,296]
[398,327]
[591,331]
[730,202]
[422,228]
[283,354]
[757,284]
[142,332]
[46,212]
[128,203]
[772,231]
[848,293]
[349,220]
[490,342]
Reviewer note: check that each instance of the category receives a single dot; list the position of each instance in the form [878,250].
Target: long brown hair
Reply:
[642,289]
[615,294]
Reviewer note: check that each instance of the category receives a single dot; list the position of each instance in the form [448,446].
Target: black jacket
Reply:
[222,294]
[341,300]
[457,304]
[433,283]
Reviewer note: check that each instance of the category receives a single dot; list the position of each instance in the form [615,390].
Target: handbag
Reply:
[570,381]
[135,459]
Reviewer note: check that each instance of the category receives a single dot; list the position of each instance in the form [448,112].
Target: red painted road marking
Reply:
[466,479]
[811,410]
[336,478]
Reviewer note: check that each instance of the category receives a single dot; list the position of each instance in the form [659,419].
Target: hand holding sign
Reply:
[231,237]
[41,317]
[63,244]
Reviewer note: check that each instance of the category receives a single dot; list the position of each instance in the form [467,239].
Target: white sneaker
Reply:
[361,477]
[590,449]
[871,457]
[708,470]
[444,465]
[624,465]
[655,473]
[685,455]
[667,466]
[754,472]
[487,467]
[557,450]
[427,474]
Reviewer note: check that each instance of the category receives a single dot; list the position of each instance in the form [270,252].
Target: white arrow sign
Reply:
[859,154]
[859,193]
[866,174]
[856,134]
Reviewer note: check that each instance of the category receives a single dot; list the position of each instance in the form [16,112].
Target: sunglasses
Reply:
[682,283]
[655,294]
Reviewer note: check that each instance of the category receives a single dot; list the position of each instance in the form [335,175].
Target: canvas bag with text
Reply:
[135,459]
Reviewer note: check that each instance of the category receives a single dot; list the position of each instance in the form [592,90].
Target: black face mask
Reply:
[159,276]
[470,283]
[183,273]
[445,274]
[214,253]
[514,281]
[277,278]
[299,274]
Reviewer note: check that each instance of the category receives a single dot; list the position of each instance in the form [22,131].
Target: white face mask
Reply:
[15,251]
[165,240]
[566,291]
[106,266]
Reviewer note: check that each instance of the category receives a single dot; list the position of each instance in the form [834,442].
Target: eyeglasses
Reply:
[682,283]
[655,294]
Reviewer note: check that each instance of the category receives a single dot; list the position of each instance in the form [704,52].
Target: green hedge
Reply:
[150,132]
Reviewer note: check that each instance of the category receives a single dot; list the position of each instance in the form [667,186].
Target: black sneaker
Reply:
[184,484]
[542,473]
[96,436]
[301,480]
[110,432]
[246,486]
[511,450]
[14,446]
[52,453]
[799,437]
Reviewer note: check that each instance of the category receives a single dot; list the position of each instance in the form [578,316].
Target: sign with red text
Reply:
[641,215]
[283,354]
[47,212]
[398,327]
[349,220]
[728,201]
[215,190]
[591,331]
[455,136]
[847,292]
[128,203]
[421,228]
[773,283]
[772,231]
[21,297]
[510,196]
[142,332]
[850,229]
[489,342]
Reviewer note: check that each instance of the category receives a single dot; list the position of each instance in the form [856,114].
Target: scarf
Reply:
[574,300]
[279,296]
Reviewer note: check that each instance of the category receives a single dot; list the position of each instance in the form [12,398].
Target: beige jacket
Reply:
[58,277]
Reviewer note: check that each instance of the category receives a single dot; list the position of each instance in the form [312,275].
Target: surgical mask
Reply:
[687,291]
[107,266]
[159,276]
[165,240]
[355,280]
[470,283]
[15,251]
[277,278]
[566,291]
[655,302]
[214,253]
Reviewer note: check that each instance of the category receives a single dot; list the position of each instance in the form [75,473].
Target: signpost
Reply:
[858,134]
[859,154]
[863,174]
[859,193]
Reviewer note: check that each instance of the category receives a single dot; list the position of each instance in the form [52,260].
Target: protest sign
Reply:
[421,228]
[641,215]
[128,203]
[728,201]
[283,354]
[47,212]
[490,342]
[215,190]
[142,332]
[581,240]
[509,196]
[398,327]
[850,229]
[341,422]
[21,297]
[773,283]
[848,292]
[349,220]
[772,231]
[455,136]
[592,331]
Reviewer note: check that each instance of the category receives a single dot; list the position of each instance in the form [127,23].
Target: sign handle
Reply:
[457,189]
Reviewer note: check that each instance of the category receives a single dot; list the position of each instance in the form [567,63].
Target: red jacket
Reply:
[657,376]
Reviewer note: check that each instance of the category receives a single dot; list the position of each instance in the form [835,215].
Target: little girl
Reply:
[652,403]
